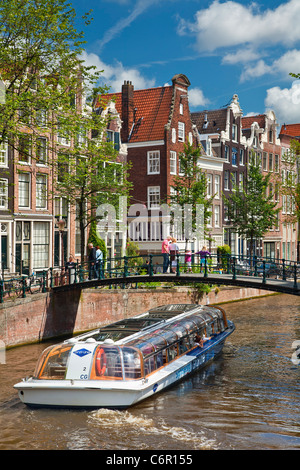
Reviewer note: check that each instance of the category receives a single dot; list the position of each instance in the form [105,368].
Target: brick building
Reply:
[221,129]
[156,124]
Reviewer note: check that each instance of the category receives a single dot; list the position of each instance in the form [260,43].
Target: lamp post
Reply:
[61,227]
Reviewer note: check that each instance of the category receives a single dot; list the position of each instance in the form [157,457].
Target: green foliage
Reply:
[190,187]
[132,251]
[96,240]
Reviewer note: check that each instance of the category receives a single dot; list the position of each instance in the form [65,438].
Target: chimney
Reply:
[127,109]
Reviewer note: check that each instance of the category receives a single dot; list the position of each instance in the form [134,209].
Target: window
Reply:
[3,154]
[234,132]
[181,131]
[41,192]
[234,180]
[62,136]
[234,156]
[41,150]
[24,190]
[41,117]
[24,149]
[153,197]
[241,181]
[153,162]
[180,108]
[3,194]
[114,137]
[270,135]
[209,185]
[265,161]
[173,163]
[277,163]
[217,216]
[270,162]
[226,179]
[226,154]
[217,186]
[41,244]
[241,156]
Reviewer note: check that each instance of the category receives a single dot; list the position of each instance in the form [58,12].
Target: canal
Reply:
[248,399]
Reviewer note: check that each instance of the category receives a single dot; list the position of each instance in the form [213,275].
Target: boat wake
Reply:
[134,428]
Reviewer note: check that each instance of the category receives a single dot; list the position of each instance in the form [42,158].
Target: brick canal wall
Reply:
[39,317]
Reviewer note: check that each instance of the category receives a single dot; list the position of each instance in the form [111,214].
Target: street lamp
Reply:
[61,227]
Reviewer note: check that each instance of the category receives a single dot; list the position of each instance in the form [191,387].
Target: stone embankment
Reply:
[41,317]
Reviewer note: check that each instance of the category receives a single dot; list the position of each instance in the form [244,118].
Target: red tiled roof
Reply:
[292,130]
[248,120]
[153,108]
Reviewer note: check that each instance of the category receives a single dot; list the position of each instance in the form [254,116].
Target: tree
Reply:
[39,63]
[189,192]
[251,209]
[49,94]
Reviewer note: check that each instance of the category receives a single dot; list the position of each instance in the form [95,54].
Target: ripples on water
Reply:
[247,399]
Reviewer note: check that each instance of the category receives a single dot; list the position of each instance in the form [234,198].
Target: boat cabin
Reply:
[135,347]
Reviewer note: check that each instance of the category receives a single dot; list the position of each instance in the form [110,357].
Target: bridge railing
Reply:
[150,265]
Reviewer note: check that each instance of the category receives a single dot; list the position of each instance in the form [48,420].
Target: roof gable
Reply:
[152,109]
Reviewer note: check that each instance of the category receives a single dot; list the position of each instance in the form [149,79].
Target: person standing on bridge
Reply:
[165,252]
[99,262]
[203,256]
[92,262]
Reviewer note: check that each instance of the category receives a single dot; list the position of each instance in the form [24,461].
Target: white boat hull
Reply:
[113,394]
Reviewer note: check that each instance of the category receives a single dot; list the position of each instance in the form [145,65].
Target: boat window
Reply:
[107,363]
[53,362]
[132,363]
[172,352]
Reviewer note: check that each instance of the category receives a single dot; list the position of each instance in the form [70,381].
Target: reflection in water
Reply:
[247,399]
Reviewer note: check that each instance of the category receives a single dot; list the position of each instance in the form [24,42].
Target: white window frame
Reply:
[181,131]
[173,162]
[209,184]
[3,155]
[153,197]
[41,160]
[3,194]
[217,215]
[28,186]
[234,132]
[41,191]
[217,181]
[153,162]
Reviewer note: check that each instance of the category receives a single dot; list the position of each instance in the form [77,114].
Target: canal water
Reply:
[248,399]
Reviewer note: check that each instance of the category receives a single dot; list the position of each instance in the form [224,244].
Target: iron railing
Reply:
[149,266]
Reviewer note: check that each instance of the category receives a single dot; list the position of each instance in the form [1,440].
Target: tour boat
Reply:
[118,365]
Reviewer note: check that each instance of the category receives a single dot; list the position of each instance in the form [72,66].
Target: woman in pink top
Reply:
[165,252]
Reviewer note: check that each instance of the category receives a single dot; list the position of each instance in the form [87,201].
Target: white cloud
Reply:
[114,75]
[288,62]
[197,98]
[256,70]
[240,56]
[232,24]
[285,102]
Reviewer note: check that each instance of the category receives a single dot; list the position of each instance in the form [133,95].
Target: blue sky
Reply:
[223,47]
